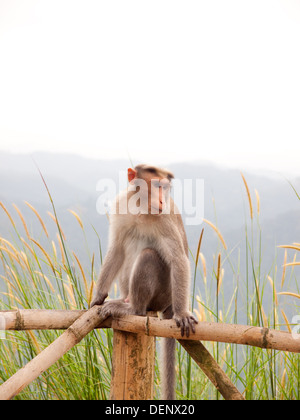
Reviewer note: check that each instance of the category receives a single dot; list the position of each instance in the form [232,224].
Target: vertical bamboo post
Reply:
[133,366]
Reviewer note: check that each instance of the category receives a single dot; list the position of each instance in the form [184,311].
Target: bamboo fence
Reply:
[134,347]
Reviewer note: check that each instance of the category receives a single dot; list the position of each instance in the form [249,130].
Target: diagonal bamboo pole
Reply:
[211,369]
[72,336]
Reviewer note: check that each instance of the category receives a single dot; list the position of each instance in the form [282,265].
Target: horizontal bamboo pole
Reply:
[39,319]
[205,331]
[72,336]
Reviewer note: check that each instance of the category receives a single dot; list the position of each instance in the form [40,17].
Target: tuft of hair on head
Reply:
[160,172]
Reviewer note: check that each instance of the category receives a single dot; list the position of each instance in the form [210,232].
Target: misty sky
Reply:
[159,81]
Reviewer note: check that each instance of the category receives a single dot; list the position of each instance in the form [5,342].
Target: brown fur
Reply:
[162,173]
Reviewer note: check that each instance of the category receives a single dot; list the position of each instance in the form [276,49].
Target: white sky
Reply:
[158,80]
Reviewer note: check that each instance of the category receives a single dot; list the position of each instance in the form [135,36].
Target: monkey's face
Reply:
[152,193]
[158,194]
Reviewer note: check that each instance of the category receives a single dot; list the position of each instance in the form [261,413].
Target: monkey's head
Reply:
[154,187]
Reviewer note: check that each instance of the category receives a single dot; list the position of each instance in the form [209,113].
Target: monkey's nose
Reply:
[161,206]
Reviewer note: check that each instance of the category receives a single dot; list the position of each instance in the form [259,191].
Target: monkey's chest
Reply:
[133,248]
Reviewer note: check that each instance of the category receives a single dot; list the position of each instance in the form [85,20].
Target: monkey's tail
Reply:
[168,368]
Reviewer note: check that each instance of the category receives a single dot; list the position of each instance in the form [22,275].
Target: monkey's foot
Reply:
[116,308]
[99,299]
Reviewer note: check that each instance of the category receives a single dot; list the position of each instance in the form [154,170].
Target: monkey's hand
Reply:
[185,321]
[99,299]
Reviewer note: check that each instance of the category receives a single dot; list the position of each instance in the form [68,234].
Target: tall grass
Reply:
[257,299]
[39,276]
[39,271]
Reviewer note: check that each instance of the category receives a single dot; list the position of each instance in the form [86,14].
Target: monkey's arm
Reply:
[177,246]
[180,277]
[112,263]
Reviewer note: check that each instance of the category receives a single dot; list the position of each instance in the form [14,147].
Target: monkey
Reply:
[148,252]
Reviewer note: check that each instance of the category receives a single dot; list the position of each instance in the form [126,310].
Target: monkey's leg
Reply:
[148,285]
[168,362]
[144,287]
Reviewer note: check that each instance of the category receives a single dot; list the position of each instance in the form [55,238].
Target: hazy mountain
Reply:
[72,181]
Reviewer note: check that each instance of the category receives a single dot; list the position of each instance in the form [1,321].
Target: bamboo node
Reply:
[265,333]
[77,336]
[19,321]
[147,329]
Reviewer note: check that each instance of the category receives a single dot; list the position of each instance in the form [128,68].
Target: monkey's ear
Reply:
[131,174]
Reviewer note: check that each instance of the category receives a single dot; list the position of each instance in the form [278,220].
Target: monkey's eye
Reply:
[155,184]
